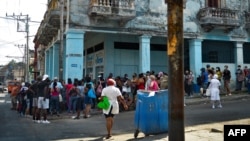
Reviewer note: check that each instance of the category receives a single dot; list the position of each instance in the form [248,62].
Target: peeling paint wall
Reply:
[151,15]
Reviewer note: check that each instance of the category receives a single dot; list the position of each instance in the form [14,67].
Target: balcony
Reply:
[112,9]
[53,13]
[247,24]
[216,18]
[51,22]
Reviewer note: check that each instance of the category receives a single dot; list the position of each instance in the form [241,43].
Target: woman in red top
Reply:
[141,82]
[68,88]
[54,92]
[153,84]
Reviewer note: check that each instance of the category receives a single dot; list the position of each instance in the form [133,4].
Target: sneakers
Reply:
[75,117]
[213,107]
[220,106]
[45,122]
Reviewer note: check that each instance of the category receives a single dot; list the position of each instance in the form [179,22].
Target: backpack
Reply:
[199,80]
[73,91]
[99,89]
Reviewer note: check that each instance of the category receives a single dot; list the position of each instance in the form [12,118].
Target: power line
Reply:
[11,42]
[16,19]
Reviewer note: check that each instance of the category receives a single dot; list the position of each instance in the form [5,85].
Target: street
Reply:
[15,128]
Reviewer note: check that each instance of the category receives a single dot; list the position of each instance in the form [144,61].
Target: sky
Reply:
[10,39]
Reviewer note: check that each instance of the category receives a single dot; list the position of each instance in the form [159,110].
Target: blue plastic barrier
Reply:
[151,115]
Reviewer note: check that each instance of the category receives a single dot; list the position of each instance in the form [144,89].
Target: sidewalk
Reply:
[198,99]
[202,132]
[195,100]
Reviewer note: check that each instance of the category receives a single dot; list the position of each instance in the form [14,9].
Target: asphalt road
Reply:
[15,128]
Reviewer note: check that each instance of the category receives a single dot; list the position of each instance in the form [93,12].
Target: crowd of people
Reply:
[45,96]
[211,80]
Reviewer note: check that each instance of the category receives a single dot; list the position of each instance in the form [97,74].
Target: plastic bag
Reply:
[104,104]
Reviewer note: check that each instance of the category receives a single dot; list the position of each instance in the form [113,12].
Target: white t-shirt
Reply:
[111,92]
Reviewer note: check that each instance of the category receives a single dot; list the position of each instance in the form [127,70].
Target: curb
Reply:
[200,100]
[197,99]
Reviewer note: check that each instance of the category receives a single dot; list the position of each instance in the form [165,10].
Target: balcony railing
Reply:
[113,9]
[51,22]
[53,12]
[211,18]
[247,24]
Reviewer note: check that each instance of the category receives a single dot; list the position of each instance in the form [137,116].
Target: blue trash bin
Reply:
[196,88]
[151,115]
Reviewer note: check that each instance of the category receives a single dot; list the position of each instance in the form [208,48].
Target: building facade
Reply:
[130,36]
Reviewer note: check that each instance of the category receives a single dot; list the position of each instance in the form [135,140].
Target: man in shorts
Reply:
[43,99]
[34,90]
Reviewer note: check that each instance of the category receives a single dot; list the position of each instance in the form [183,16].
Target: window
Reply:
[126,45]
[213,56]
[90,50]
[214,3]
[217,51]
[99,47]
[246,50]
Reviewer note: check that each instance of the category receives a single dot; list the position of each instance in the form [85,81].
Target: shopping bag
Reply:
[91,93]
[208,93]
[60,98]
[104,104]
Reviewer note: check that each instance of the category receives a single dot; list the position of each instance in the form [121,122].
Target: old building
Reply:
[127,36]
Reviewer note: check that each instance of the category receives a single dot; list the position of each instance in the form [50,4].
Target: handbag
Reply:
[99,89]
[60,98]
[104,104]
[91,93]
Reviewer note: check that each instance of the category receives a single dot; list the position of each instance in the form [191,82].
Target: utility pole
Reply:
[24,59]
[176,69]
[61,41]
[24,19]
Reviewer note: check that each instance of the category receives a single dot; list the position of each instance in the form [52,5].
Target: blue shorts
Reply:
[88,100]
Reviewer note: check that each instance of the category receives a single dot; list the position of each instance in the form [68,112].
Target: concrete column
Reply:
[51,68]
[74,54]
[239,53]
[64,59]
[46,62]
[55,62]
[144,54]
[195,52]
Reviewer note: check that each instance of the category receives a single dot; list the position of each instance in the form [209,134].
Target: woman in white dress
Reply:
[215,91]
[112,93]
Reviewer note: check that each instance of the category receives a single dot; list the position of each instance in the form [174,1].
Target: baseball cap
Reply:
[45,76]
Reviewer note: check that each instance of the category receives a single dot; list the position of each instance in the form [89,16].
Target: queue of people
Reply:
[45,96]
[211,81]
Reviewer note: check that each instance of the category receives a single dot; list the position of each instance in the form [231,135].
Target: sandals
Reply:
[108,136]
[88,116]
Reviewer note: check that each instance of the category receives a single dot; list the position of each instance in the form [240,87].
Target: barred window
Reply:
[246,50]
[213,56]
[217,51]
